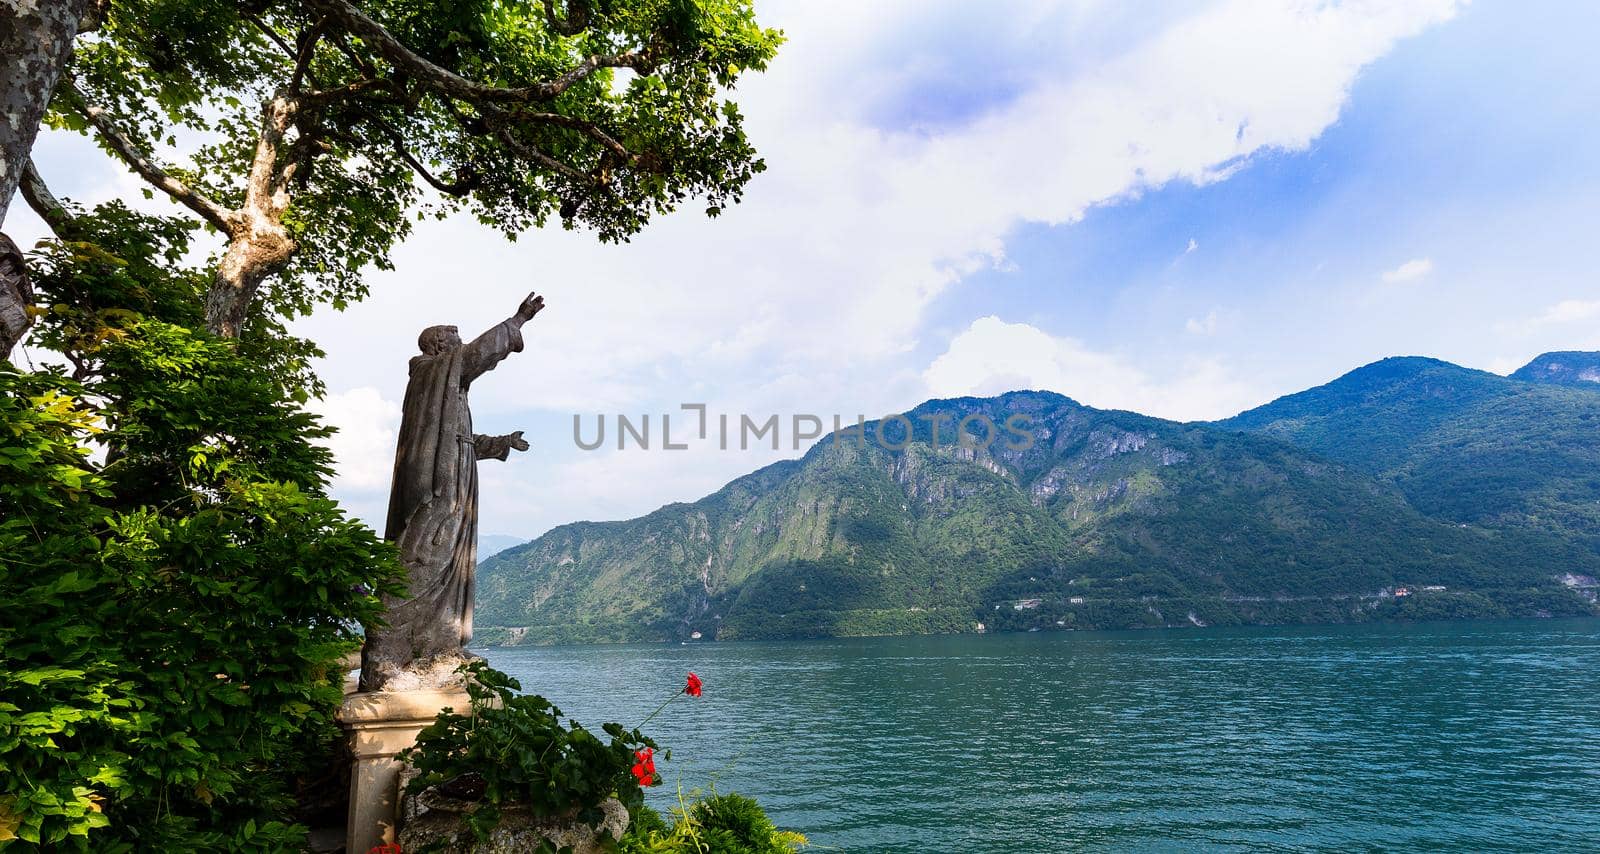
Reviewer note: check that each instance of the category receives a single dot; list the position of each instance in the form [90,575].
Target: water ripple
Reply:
[1441,737]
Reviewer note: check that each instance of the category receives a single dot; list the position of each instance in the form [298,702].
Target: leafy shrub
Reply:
[513,748]
[724,824]
[737,825]
[643,821]
[175,616]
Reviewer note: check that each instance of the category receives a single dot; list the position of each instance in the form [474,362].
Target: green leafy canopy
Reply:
[604,114]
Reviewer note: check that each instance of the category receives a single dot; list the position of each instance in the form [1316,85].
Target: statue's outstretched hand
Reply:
[518,442]
[530,307]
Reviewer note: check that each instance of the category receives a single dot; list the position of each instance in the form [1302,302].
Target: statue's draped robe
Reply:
[433,509]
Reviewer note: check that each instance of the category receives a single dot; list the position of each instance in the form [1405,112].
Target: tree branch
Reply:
[452,85]
[528,152]
[577,17]
[356,59]
[93,17]
[589,128]
[466,183]
[129,152]
[259,246]
[45,204]
[272,35]
[302,62]
[16,297]
[641,61]
[475,125]
[461,186]
[302,154]
[324,97]
[266,180]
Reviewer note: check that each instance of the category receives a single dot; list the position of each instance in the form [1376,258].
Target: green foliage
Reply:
[644,821]
[513,748]
[1463,445]
[611,150]
[723,824]
[737,825]
[49,506]
[179,591]
[121,267]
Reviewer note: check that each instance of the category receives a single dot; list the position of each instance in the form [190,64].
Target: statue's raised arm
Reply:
[500,341]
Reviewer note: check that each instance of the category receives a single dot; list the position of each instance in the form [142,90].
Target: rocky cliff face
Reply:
[1571,368]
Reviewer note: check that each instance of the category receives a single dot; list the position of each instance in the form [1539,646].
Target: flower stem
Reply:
[659,708]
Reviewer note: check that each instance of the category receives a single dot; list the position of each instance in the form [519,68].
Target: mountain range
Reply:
[1410,488]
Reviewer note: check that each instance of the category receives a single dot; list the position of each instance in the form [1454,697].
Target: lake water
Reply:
[1464,736]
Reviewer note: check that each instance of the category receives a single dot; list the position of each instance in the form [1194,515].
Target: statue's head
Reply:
[439,339]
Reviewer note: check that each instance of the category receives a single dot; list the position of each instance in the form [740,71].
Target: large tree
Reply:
[185,593]
[35,41]
[317,130]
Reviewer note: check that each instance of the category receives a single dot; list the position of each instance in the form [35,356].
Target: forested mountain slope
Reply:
[1109,519]
[1462,445]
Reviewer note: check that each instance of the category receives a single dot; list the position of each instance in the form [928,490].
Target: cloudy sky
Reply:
[1185,209]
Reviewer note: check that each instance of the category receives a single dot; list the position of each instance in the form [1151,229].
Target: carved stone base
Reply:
[438,673]
[381,724]
[439,825]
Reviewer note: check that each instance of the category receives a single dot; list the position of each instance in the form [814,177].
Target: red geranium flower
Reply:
[693,688]
[644,771]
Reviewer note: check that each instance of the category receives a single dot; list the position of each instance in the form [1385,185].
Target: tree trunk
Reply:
[35,41]
[246,263]
[16,295]
[258,243]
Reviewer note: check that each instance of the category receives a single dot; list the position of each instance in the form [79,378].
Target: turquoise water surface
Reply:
[1462,736]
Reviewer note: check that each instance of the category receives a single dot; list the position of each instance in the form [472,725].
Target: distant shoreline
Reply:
[1398,612]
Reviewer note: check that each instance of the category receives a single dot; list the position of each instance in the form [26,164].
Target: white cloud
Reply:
[992,356]
[814,288]
[1410,271]
[855,228]
[1202,325]
[364,446]
[1554,322]
[1569,311]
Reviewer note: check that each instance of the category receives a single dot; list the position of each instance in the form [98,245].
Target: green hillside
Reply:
[1109,519]
[1461,445]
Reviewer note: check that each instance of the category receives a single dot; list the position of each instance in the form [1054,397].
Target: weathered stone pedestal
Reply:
[437,823]
[380,725]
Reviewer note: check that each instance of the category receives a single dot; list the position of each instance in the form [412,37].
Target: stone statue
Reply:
[433,507]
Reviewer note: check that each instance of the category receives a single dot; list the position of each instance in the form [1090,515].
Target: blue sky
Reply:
[1469,146]
[1185,209]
